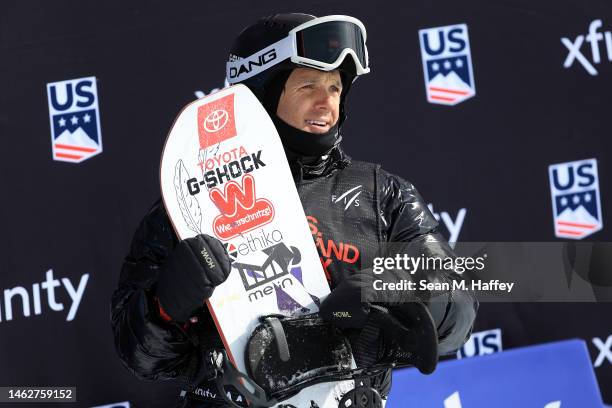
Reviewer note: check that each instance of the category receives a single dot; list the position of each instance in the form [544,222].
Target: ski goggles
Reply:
[322,43]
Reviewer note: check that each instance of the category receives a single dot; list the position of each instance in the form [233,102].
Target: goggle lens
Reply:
[325,42]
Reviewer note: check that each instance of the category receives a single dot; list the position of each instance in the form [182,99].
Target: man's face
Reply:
[310,100]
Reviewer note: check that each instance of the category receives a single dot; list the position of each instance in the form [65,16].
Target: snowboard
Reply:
[224,173]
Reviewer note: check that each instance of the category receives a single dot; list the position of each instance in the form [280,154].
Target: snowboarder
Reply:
[301,69]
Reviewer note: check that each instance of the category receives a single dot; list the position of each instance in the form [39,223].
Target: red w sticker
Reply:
[216,121]
[240,210]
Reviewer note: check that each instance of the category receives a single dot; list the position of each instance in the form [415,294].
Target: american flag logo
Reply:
[75,119]
[447,64]
[574,188]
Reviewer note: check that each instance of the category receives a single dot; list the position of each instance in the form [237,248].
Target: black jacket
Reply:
[347,228]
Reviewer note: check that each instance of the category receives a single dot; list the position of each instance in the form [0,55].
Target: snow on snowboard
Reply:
[224,173]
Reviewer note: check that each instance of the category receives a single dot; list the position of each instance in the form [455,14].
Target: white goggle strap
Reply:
[245,68]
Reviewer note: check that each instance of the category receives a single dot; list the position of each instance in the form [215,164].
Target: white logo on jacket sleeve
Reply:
[348,198]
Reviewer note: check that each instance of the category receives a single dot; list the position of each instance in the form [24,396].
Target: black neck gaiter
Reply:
[304,143]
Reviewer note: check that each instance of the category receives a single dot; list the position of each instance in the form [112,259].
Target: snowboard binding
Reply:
[361,397]
[287,354]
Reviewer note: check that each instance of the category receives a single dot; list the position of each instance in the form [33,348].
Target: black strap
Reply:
[366,347]
[247,387]
[281,338]
[361,397]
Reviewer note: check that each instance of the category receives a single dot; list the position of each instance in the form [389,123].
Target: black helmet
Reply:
[279,43]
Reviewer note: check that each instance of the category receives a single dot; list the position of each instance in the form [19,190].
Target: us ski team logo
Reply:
[75,119]
[447,64]
[574,187]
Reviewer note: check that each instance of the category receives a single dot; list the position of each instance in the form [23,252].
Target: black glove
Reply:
[190,274]
[396,327]
[348,305]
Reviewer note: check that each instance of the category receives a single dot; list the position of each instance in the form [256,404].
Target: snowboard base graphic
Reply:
[224,173]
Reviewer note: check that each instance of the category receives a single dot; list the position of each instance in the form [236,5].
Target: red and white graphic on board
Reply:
[250,155]
[240,210]
[216,121]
